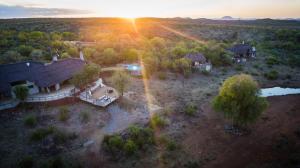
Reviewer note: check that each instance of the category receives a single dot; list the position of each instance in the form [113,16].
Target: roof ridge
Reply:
[22,62]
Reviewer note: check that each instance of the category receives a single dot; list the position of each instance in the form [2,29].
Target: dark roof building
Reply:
[241,49]
[42,75]
[196,57]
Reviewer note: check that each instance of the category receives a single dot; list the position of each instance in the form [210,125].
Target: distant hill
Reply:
[227,18]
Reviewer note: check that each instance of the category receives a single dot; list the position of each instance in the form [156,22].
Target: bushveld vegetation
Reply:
[158,48]
[63,114]
[239,100]
[136,138]
[162,53]
[30,120]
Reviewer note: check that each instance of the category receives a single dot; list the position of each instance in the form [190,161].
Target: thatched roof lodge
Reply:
[199,61]
[38,76]
[242,51]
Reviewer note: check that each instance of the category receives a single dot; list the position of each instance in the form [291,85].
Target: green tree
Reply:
[10,57]
[36,35]
[239,100]
[55,36]
[22,36]
[21,92]
[36,54]
[130,147]
[73,51]
[109,56]
[151,65]
[89,74]
[69,36]
[24,50]
[178,51]
[158,43]
[121,80]
[88,52]
[65,55]
[57,44]
[183,66]
[131,55]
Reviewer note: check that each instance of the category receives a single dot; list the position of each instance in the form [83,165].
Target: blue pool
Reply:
[133,67]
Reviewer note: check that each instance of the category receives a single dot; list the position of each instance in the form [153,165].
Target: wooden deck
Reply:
[99,95]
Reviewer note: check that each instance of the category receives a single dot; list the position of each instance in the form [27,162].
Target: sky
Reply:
[151,8]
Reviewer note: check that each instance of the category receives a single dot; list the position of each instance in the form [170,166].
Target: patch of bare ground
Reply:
[16,138]
[273,141]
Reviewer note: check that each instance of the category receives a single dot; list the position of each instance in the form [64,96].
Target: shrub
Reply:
[41,133]
[171,145]
[26,162]
[63,114]
[272,60]
[61,137]
[141,136]
[190,110]
[256,66]
[134,139]
[130,147]
[84,117]
[21,92]
[167,142]
[157,121]
[162,75]
[205,72]
[288,76]
[272,75]
[56,162]
[192,164]
[113,142]
[239,68]
[167,111]
[163,139]
[253,73]
[30,120]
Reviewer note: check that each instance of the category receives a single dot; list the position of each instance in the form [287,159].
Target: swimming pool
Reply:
[133,67]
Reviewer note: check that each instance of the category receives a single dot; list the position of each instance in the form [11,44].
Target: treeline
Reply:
[118,40]
[35,45]
[283,46]
[156,52]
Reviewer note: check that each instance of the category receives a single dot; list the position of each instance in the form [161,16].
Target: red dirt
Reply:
[208,138]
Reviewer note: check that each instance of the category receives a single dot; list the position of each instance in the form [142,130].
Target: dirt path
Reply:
[114,68]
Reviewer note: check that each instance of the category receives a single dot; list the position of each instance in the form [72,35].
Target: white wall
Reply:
[34,89]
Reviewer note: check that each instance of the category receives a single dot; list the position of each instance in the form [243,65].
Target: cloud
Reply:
[18,11]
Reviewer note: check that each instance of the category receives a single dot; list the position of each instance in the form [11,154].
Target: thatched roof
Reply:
[241,49]
[43,75]
[196,57]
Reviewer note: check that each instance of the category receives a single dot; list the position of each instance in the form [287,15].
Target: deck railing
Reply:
[49,97]
[8,105]
[97,102]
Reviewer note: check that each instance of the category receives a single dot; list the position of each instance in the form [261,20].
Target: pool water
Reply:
[279,91]
[133,67]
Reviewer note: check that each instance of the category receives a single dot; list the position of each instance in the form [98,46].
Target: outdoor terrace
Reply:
[99,94]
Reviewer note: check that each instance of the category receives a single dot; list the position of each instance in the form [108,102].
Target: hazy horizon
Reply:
[276,9]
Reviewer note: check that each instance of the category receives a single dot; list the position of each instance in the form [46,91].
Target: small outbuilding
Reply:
[199,61]
[242,52]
